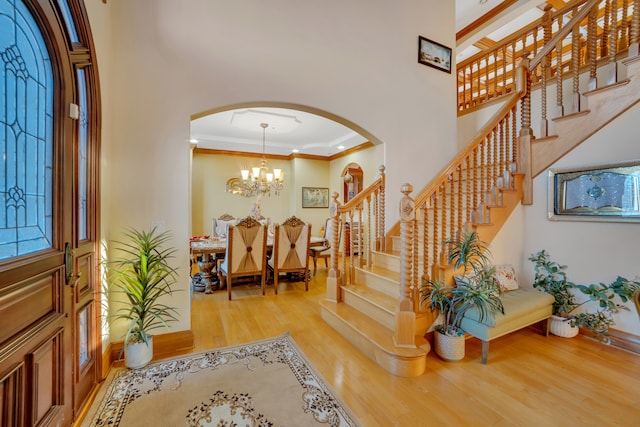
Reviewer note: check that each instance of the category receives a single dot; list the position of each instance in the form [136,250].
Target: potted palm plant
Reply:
[475,289]
[551,277]
[142,276]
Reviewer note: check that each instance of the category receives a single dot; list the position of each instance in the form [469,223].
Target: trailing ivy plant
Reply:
[550,277]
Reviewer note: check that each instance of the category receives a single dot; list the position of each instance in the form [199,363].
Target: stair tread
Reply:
[374,331]
[378,298]
[383,272]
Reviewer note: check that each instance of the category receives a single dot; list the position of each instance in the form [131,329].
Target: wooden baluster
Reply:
[505,89]
[436,230]
[475,185]
[576,40]
[483,181]
[623,41]
[468,188]
[612,75]
[634,34]
[460,207]
[495,74]
[514,137]
[545,64]
[604,46]
[425,241]
[345,249]
[381,207]
[503,152]
[452,209]
[334,276]
[591,42]
[486,78]
[360,258]
[496,166]
[367,246]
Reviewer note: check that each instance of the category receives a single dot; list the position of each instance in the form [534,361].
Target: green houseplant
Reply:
[551,277]
[475,288]
[141,276]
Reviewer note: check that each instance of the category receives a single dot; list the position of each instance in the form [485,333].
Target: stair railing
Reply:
[458,197]
[364,217]
[603,29]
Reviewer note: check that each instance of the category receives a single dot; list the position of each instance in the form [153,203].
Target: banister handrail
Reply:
[564,31]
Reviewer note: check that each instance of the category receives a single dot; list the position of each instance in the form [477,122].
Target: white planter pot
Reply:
[449,348]
[138,355]
[560,327]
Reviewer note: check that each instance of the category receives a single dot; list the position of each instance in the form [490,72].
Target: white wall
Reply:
[163,63]
[593,251]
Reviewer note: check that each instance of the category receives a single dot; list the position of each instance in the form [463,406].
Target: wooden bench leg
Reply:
[485,352]
[546,325]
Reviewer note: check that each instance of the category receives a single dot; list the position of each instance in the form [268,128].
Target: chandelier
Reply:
[258,180]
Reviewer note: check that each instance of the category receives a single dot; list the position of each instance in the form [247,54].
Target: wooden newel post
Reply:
[405,330]
[334,277]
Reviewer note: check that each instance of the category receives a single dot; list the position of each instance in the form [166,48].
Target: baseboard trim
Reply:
[619,339]
[164,345]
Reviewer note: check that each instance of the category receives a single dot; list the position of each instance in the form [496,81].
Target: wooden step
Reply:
[377,305]
[380,279]
[389,261]
[375,340]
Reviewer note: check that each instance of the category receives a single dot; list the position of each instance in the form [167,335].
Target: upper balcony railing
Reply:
[607,29]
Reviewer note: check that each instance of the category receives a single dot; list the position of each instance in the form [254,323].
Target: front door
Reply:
[49,345]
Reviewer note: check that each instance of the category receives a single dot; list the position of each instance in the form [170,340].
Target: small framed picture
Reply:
[434,54]
[315,197]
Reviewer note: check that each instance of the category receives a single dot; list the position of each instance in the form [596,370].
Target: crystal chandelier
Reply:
[258,180]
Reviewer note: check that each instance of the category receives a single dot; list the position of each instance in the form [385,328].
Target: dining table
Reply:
[208,251]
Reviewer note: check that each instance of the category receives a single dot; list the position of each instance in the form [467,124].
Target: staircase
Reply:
[373,296]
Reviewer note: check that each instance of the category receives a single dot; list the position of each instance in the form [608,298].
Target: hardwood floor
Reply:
[531,380]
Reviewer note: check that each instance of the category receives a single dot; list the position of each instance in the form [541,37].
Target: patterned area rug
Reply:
[263,383]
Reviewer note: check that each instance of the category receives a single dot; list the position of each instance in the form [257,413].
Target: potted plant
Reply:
[475,288]
[550,277]
[142,276]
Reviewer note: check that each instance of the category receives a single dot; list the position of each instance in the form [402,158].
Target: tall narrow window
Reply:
[83,142]
[68,20]
[26,134]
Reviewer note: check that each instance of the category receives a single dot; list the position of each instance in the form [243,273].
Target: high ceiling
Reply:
[310,134]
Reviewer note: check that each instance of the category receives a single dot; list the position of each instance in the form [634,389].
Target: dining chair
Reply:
[324,251]
[245,253]
[221,224]
[290,250]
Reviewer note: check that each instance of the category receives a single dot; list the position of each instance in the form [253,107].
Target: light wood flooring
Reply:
[531,380]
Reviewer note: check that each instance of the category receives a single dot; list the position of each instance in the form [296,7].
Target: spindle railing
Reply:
[606,29]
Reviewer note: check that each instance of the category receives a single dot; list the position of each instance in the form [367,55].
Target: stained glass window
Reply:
[82,155]
[26,134]
[83,337]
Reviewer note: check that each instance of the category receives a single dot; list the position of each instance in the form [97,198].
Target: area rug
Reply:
[263,383]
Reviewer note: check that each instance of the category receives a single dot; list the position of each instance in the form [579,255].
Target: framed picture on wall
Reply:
[315,197]
[597,193]
[434,54]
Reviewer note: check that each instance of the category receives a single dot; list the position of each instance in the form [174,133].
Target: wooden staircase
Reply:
[373,296]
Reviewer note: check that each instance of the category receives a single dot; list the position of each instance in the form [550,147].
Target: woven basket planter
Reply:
[562,328]
[449,348]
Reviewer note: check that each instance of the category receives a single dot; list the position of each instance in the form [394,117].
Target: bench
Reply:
[522,307]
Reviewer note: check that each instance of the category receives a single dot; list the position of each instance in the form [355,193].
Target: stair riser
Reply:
[369,309]
[397,366]
[390,262]
[381,284]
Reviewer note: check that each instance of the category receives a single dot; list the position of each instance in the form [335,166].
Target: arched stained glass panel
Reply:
[26,134]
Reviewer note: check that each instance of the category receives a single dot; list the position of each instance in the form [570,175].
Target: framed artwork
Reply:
[315,197]
[599,193]
[434,54]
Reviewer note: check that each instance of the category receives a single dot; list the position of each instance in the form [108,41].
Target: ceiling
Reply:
[290,130]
